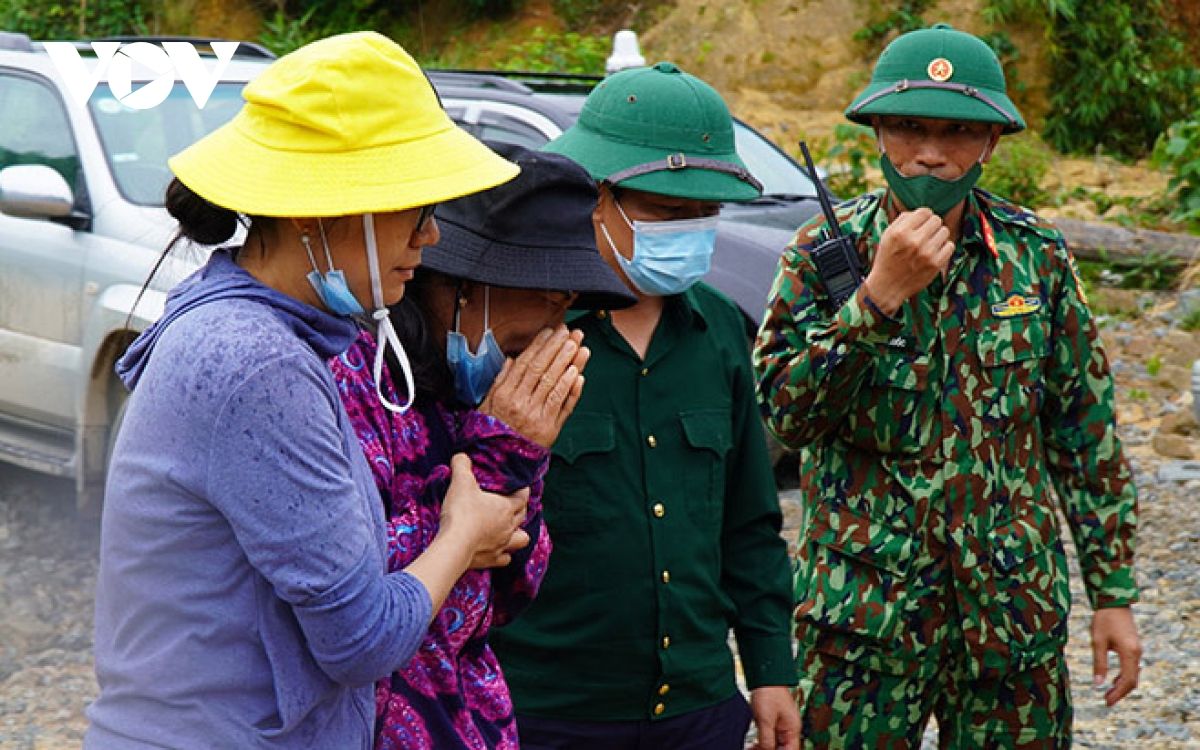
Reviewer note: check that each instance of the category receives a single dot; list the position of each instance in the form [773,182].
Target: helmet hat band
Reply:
[900,87]
[682,161]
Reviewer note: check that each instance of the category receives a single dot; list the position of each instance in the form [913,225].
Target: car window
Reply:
[138,142]
[778,174]
[34,128]
[498,127]
[487,124]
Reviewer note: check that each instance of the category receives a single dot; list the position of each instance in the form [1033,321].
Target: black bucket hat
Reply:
[533,232]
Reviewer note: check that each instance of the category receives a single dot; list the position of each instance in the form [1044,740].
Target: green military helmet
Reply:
[938,72]
[660,130]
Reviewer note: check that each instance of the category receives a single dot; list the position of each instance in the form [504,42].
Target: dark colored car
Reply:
[531,109]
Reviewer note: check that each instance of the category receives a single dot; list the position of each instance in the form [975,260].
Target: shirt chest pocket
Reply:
[582,457]
[707,435]
[1012,355]
[894,411]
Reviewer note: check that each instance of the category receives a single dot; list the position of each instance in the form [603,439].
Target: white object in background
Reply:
[1196,388]
[625,54]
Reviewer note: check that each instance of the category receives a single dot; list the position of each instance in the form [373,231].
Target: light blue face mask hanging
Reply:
[474,373]
[668,256]
[335,294]
[330,286]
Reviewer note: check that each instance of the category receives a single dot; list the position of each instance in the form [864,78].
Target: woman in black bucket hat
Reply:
[497,374]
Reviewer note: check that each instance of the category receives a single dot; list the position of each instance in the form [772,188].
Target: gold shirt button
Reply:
[660,510]
[666,641]
[601,314]
[666,576]
[664,689]
[645,371]
[658,709]
[651,441]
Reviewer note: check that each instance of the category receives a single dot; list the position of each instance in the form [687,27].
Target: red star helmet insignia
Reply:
[940,69]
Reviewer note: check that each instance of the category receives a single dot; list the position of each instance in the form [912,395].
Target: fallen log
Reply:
[1128,247]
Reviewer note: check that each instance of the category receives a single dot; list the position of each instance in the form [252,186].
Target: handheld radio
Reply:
[835,258]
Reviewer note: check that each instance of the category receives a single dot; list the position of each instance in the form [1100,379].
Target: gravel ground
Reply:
[48,561]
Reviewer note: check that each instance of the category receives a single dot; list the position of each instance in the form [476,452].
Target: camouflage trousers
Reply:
[844,704]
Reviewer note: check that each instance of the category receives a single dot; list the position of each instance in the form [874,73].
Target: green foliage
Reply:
[1138,394]
[1016,170]
[547,52]
[490,8]
[1120,74]
[907,15]
[1154,365]
[576,13]
[75,20]
[846,159]
[298,23]
[1178,150]
[1130,211]
[1191,321]
[1151,271]
[281,34]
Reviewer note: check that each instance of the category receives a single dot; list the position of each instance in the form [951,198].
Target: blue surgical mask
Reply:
[330,286]
[668,256]
[335,294]
[474,373]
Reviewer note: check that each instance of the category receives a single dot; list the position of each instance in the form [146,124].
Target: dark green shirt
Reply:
[662,509]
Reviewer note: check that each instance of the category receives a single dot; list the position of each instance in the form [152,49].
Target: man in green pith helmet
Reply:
[660,498]
[942,408]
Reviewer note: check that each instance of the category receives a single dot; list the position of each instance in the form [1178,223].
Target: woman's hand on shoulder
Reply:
[536,392]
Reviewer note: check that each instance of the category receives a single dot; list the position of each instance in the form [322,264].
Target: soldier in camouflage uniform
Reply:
[940,410]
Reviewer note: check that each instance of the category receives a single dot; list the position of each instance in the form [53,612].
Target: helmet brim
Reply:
[935,103]
[602,156]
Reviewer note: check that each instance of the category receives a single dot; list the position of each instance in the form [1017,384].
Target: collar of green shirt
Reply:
[684,307]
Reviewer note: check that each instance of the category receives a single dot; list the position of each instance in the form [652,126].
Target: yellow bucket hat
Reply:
[345,125]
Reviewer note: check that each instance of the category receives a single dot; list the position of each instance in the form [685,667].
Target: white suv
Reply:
[81,226]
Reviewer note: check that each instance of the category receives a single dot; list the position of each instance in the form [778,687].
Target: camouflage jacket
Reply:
[934,441]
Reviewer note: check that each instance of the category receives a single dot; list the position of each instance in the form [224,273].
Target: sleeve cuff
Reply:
[479,426]
[1118,590]
[767,661]
[861,321]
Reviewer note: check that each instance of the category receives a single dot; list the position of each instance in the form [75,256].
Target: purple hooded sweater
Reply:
[243,596]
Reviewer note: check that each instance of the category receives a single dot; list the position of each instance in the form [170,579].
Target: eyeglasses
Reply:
[424,215]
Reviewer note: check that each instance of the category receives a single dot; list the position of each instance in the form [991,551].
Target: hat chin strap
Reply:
[385,334]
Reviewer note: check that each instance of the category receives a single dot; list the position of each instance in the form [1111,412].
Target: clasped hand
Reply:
[536,392]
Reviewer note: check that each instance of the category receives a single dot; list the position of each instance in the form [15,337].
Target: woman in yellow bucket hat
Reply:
[243,598]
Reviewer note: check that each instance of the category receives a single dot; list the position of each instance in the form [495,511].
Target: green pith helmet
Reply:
[659,130]
[938,72]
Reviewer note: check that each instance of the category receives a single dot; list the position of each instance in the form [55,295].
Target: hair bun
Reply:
[199,220]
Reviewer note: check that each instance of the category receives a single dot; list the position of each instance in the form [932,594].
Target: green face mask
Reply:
[926,190]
